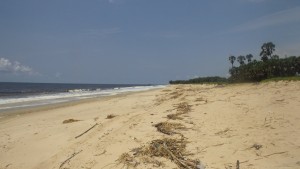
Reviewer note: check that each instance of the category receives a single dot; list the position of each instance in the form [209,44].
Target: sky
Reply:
[138,41]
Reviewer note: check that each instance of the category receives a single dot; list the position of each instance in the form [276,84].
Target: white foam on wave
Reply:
[76,94]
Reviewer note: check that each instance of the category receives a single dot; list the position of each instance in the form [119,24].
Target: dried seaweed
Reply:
[172,149]
[183,107]
[174,116]
[150,160]
[110,116]
[169,128]
[127,160]
[70,121]
[175,95]
[201,100]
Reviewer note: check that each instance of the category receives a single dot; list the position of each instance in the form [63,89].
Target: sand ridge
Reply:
[257,124]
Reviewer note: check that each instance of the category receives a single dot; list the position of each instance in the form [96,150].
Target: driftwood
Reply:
[237,164]
[67,160]
[87,130]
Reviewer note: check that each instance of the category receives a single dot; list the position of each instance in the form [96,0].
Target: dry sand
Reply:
[257,124]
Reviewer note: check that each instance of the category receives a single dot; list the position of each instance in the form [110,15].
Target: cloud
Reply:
[6,66]
[278,18]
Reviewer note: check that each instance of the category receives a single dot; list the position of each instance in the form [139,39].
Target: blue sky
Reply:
[138,41]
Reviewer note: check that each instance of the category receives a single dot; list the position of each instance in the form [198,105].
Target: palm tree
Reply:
[249,57]
[232,59]
[266,51]
[241,59]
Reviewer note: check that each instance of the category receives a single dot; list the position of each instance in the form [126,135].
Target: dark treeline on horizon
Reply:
[270,66]
[213,79]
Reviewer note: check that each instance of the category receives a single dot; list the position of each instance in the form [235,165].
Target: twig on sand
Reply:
[104,151]
[7,165]
[87,130]
[108,165]
[67,160]
[275,153]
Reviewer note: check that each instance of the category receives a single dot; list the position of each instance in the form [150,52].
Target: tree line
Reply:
[212,79]
[251,70]
[269,66]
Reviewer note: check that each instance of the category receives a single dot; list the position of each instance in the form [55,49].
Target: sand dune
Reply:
[257,124]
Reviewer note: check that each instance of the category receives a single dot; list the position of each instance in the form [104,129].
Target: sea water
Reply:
[21,95]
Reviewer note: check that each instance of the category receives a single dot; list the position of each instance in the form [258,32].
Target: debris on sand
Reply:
[127,160]
[169,128]
[110,116]
[257,146]
[172,149]
[175,95]
[150,160]
[70,121]
[174,116]
[201,100]
[183,107]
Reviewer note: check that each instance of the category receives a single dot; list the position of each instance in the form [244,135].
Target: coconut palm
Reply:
[241,59]
[249,57]
[266,51]
[232,59]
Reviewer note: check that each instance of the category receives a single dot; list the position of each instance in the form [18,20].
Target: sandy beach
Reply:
[256,124]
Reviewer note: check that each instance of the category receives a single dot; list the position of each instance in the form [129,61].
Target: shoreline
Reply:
[4,114]
[257,124]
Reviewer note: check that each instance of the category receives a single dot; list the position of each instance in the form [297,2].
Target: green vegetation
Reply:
[276,79]
[200,80]
[270,68]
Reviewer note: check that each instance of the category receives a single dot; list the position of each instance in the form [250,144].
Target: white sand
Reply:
[224,124]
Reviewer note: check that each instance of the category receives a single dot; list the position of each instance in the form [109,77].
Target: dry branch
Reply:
[87,130]
[275,153]
[67,160]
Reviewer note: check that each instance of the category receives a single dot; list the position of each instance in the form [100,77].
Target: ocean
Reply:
[22,95]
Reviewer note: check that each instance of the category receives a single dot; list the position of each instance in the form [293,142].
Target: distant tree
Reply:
[266,51]
[241,59]
[232,59]
[249,57]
